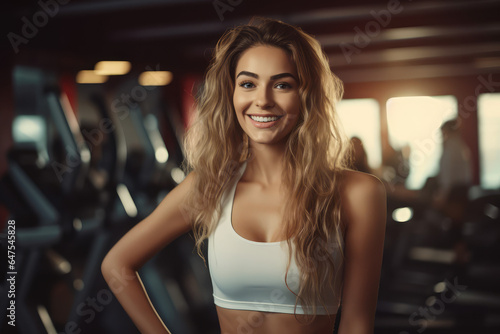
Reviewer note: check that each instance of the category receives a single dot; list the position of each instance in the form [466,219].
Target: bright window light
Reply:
[361,118]
[415,122]
[32,129]
[489,139]
[29,128]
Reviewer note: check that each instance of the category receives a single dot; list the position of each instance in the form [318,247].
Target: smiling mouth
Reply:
[265,119]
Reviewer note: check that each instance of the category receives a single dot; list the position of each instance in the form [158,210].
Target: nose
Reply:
[264,98]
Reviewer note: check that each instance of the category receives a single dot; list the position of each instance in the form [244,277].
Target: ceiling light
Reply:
[155,78]
[112,67]
[90,77]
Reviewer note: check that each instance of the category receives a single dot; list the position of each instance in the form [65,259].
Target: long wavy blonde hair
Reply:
[316,153]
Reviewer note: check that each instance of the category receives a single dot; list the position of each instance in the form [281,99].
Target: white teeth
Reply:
[264,119]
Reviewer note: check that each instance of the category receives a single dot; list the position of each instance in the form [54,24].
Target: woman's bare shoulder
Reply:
[362,195]
[355,181]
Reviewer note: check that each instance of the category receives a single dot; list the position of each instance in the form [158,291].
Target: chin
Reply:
[270,141]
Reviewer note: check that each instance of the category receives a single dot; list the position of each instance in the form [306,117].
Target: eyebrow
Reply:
[273,77]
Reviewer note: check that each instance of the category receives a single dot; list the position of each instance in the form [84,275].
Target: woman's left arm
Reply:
[364,210]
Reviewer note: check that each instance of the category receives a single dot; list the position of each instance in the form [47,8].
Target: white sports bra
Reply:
[250,275]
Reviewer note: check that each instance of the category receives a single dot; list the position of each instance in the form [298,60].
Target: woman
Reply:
[290,228]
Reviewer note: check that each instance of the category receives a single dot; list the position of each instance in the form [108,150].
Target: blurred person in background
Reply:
[452,184]
[360,159]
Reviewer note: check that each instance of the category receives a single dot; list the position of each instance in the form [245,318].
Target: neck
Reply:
[266,165]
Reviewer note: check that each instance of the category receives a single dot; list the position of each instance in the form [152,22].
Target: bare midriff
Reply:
[256,322]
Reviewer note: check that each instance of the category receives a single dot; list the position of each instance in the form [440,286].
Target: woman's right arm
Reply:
[119,268]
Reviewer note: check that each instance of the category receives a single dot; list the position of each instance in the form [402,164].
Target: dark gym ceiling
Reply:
[365,40]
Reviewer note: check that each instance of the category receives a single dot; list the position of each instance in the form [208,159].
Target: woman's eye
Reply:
[283,85]
[246,84]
